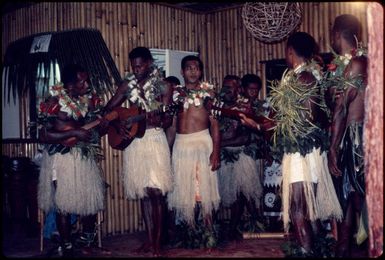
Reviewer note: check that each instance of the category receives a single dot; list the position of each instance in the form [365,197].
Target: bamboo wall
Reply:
[226,47]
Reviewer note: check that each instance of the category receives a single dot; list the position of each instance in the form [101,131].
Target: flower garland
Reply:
[334,76]
[48,110]
[293,131]
[74,108]
[151,89]
[193,96]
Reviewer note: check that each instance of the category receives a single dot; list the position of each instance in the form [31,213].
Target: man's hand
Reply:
[332,163]
[249,122]
[215,161]
[103,126]
[83,135]
[124,130]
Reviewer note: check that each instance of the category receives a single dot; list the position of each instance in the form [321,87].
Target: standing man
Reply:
[173,82]
[346,157]
[196,150]
[70,178]
[307,190]
[146,169]
[239,180]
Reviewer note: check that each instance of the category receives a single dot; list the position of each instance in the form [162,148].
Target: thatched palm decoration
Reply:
[33,63]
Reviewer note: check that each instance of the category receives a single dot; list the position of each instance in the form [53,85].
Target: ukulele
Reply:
[70,142]
[217,110]
[134,118]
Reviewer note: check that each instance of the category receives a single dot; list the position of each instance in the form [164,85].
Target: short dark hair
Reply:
[349,26]
[189,58]
[251,78]
[69,73]
[233,77]
[172,80]
[141,52]
[303,44]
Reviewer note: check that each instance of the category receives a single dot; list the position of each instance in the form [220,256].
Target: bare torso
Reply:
[193,119]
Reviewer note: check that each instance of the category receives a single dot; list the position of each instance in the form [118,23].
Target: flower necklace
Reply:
[334,77]
[151,90]
[74,108]
[193,96]
[339,62]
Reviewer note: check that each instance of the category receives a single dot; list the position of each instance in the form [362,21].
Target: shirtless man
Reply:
[308,194]
[70,180]
[196,150]
[346,158]
[239,180]
[146,161]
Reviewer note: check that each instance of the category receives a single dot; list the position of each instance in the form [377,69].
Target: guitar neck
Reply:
[110,116]
[236,114]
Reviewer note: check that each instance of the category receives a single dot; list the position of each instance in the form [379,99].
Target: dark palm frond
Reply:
[24,70]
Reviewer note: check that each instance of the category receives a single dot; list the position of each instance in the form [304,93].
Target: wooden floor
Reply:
[20,246]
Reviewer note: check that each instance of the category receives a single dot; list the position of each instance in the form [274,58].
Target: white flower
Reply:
[194,95]
[134,95]
[360,53]
[317,75]
[197,102]
[185,105]
[147,94]
[346,61]
[348,56]
[190,100]
[175,96]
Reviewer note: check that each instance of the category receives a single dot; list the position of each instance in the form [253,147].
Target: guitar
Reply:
[217,110]
[134,118]
[70,142]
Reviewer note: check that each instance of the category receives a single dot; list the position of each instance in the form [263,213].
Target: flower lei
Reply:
[334,76]
[151,89]
[193,96]
[293,131]
[74,108]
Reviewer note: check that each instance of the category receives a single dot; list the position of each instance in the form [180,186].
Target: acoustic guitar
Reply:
[135,120]
[217,110]
[70,142]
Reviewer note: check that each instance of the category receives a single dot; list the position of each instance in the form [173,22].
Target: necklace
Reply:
[193,96]
[145,96]
[74,108]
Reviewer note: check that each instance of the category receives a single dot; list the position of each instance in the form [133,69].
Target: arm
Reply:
[171,132]
[340,114]
[119,97]
[216,137]
[51,136]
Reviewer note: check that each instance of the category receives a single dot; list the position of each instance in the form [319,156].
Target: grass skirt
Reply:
[243,175]
[146,163]
[193,176]
[322,202]
[80,187]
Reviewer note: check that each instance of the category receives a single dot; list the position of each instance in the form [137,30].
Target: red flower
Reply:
[43,107]
[332,67]
[50,108]
[96,101]
[53,109]
[353,52]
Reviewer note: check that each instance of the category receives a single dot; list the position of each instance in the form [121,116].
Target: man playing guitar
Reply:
[146,161]
[70,179]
